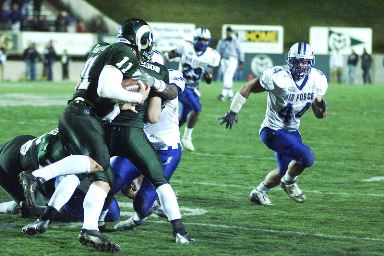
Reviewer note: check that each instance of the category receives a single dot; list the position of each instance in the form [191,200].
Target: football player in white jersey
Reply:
[197,61]
[292,89]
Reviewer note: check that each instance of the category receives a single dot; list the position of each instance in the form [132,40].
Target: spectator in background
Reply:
[366,63]
[3,59]
[60,24]
[353,58]
[15,16]
[65,59]
[336,66]
[5,17]
[80,27]
[49,59]
[31,56]
[231,56]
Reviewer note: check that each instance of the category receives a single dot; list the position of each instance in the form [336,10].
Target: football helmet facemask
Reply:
[300,60]
[201,38]
[138,34]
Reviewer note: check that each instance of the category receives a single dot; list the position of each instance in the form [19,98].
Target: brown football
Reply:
[130,85]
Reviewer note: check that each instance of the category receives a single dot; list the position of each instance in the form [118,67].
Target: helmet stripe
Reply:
[299,49]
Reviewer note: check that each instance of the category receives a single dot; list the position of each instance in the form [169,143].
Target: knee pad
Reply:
[308,158]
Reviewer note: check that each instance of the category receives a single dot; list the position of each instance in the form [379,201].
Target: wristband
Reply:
[237,102]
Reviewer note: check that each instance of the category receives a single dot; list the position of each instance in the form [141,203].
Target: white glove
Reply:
[152,82]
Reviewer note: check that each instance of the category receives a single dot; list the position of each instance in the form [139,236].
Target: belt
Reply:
[78,99]
[170,147]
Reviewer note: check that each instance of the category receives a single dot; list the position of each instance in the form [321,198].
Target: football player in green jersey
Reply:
[127,139]
[97,98]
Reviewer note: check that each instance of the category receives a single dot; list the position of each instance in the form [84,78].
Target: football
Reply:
[131,85]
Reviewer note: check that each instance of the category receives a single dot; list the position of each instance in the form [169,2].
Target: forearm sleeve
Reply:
[109,86]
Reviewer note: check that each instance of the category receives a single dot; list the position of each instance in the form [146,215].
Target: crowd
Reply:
[340,75]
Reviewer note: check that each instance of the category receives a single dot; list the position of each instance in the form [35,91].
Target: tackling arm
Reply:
[239,100]
[154,109]
[319,107]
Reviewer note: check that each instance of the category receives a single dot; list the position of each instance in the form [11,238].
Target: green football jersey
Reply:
[43,150]
[130,118]
[118,55]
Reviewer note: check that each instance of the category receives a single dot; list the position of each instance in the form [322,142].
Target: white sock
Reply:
[136,217]
[64,191]
[263,188]
[188,133]
[7,207]
[73,164]
[168,201]
[93,205]
[288,178]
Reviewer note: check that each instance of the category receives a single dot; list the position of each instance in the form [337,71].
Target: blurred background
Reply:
[54,36]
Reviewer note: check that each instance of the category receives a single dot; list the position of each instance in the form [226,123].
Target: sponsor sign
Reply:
[8,41]
[258,39]
[168,35]
[325,40]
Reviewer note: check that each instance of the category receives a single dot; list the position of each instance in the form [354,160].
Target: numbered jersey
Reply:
[288,99]
[193,64]
[42,151]
[165,132]
[118,55]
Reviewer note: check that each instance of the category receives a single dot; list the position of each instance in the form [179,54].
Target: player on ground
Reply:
[197,61]
[127,139]
[97,96]
[292,89]
[165,138]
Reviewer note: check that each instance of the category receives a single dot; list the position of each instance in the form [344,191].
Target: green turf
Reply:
[343,214]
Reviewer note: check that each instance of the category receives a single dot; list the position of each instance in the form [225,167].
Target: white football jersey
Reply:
[288,99]
[193,65]
[165,132]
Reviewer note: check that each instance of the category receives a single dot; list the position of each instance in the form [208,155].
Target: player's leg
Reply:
[223,70]
[147,195]
[82,133]
[193,116]
[228,77]
[289,145]
[185,108]
[141,153]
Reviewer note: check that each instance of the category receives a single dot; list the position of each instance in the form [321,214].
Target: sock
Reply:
[73,164]
[64,191]
[93,204]
[49,213]
[178,227]
[230,93]
[7,207]
[168,200]
[288,178]
[136,217]
[263,188]
[188,133]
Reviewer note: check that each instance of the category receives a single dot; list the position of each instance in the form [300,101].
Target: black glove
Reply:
[207,77]
[229,118]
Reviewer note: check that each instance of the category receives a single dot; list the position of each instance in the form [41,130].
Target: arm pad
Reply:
[237,102]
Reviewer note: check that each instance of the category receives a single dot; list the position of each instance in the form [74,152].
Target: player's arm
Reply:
[154,109]
[109,86]
[319,107]
[239,100]
[171,55]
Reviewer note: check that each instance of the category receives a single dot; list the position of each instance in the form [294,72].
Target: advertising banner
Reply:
[76,44]
[9,41]
[325,40]
[257,38]
[167,35]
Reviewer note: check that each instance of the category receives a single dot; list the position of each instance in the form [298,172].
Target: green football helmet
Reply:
[138,34]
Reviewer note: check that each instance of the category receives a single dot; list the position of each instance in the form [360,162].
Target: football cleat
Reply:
[183,239]
[38,226]
[95,239]
[128,224]
[30,185]
[221,98]
[159,211]
[293,191]
[259,197]
[187,143]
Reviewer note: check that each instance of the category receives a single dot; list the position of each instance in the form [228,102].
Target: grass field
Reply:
[343,214]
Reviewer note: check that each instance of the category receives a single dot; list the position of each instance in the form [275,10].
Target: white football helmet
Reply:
[201,38]
[301,59]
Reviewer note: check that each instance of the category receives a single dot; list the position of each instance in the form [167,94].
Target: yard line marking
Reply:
[373,179]
[253,157]
[289,232]
[310,191]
